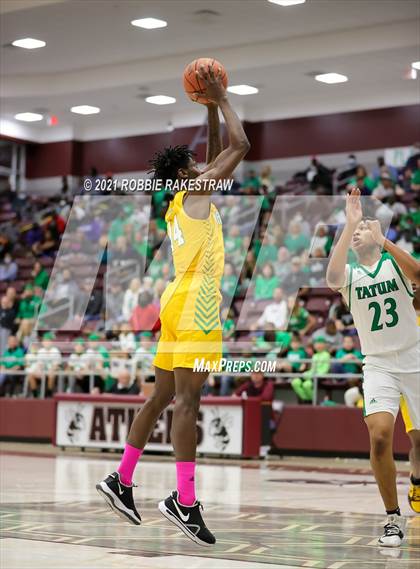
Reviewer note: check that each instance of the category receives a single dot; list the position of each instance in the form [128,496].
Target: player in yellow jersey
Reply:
[189,315]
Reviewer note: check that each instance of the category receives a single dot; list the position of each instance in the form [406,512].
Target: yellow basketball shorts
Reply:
[191,332]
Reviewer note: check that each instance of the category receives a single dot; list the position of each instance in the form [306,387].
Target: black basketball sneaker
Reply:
[188,519]
[119,497]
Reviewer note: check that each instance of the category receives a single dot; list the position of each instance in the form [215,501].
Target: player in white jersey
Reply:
[379,294]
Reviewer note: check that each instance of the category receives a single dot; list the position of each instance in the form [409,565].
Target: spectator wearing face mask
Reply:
[8,268]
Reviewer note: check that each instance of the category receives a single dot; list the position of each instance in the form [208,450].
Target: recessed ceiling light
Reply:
[149,23]
[29,43]
[331,78]
[242,89]
[85,110]
[416,65]
[29,117]
[160,100]
[287,2]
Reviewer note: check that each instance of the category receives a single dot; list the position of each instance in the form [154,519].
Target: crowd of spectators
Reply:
[309,335]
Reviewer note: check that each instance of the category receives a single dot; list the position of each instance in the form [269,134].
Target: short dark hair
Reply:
[165,164]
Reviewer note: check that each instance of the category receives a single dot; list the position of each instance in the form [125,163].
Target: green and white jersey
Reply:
[380,299]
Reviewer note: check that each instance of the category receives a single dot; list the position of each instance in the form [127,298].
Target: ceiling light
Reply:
[149,23]
[160,100]
[416,65]
[331,78]
[287,2]
[29,117]
[29,43]
[85,110]
[242,89]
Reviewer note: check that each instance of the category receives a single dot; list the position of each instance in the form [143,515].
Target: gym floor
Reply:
[291,512]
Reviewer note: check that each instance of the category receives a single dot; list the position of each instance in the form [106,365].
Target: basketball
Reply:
[194,88]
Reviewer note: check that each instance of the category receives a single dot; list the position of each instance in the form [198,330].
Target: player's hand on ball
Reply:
[215,90]
[375,229]
[354,212]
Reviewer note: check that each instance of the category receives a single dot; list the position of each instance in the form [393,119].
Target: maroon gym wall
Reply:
[301,428]
[27,419]
[339,132]
[304,428]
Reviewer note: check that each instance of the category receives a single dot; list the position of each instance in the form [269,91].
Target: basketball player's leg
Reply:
[188,386]
[414,488]
[410,410]
[117,488]
[145,420]
[381,432]
[181,507]
[381,392]
[415,453]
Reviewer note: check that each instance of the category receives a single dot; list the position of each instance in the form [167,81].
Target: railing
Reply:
[62,373]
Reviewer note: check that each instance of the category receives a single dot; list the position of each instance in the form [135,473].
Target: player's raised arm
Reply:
[337,266]
[226,162]
[409,266]
[214,138]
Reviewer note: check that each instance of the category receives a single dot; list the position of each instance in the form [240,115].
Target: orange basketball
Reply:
[193,84]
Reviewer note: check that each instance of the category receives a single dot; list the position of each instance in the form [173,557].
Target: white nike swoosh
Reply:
[181,515]
[120,490]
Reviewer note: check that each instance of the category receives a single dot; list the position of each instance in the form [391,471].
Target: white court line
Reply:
[258,550]
[289,527]
[310,564]
[352,540]
[19,526]
[258,517]
[84,540]
[310,528]
[337,565]
[237,548]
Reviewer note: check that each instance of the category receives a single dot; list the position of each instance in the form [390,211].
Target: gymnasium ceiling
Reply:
[94,56]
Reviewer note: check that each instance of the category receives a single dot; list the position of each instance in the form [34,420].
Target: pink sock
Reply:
[185,482]
[128,463]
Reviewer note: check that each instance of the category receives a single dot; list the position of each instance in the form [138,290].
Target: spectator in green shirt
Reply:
[233,241]
[229,281]
[155,267]
[12,359]
[294,355]
[415,178]
[320,365]
[362,181]
[296,241]
[252,180]
[269,250]
[27,311]
[40,276]
[300,320]
[416,248]
[350,358]
[266,283]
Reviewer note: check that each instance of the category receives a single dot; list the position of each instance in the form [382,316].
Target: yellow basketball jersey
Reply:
[197,244]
